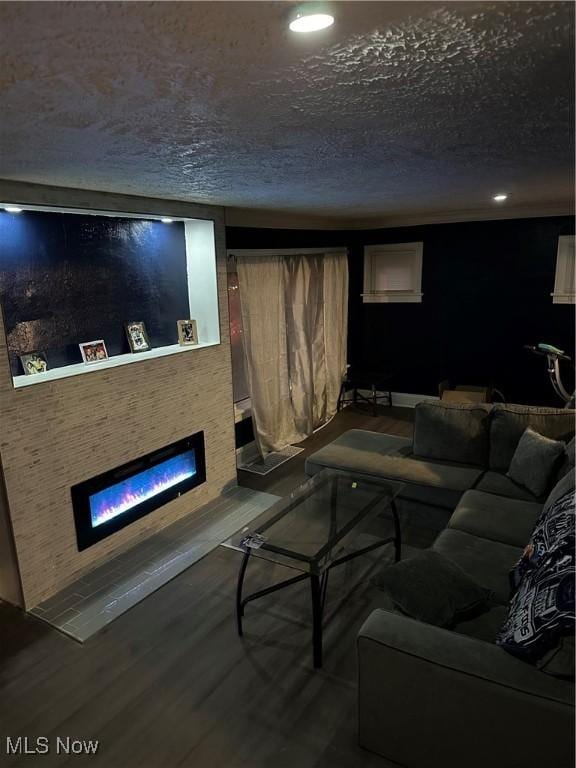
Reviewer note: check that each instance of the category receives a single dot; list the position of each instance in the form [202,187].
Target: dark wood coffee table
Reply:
[313,531]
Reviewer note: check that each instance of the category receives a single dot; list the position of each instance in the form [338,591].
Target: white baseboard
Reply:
[407,400]
[402,399]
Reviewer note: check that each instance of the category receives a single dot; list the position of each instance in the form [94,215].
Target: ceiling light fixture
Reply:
[310,17]
[500,198]
[166,220]
[12,209]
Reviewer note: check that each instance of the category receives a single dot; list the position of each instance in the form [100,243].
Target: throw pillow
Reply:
[555,523]
[534,461]
[430,588]
[508,423]
[542,610]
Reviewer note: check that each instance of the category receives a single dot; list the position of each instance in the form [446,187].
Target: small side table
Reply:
[377,384]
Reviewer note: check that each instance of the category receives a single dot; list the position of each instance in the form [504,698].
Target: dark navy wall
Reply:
[486,288]
[69,278]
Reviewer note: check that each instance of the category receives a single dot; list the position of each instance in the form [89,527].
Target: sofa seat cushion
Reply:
[501,485]
[486,562]
[434,486]
[508,423]
[452,431]
[358,450]
[429,473]
[426,482]
[509,521]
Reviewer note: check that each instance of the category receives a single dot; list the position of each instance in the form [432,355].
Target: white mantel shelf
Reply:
[112,362]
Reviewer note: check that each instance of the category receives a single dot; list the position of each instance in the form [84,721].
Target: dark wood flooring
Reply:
[170,684]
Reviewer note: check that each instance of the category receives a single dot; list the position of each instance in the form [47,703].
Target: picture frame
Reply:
[34,363]
[187,332]
[93,351]
[137,336]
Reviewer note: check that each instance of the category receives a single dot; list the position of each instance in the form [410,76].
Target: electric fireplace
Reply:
[113,500]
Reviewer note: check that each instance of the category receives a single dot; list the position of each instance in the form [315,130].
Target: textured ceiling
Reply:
[398,108]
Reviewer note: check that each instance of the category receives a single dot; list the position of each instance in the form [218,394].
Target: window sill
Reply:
[392,298]
[563,298]
[53,374]
[242,410]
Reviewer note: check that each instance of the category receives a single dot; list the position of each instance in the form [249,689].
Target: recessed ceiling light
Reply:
[12,209]
[310,17]
[166,220]
[500,198]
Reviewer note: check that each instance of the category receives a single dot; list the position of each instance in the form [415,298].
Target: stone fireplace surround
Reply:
[47,445]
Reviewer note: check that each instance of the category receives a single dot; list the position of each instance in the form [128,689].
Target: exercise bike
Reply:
[553,357]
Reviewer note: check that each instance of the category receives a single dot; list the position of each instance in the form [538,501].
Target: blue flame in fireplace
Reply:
[127,494]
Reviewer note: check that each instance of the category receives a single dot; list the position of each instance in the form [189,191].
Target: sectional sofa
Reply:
[433,697]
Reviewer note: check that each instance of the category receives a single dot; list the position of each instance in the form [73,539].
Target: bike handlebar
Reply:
[547,350]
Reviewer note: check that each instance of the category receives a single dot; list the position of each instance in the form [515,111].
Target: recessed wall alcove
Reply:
[69,427]
[69,276]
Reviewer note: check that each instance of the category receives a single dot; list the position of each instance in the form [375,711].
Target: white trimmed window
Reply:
[393,273]
[564,292]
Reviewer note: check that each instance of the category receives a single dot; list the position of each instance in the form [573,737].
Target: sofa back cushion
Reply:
[452,432]
[567,463]
[565,484]
[508,423]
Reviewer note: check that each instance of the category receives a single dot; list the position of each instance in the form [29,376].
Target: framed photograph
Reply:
[137,336]
[187,332]
[93,351]
[33,363]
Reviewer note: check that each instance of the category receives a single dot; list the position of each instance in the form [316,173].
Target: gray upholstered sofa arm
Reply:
[430,697]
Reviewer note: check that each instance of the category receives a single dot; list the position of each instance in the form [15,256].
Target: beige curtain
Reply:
[261,284]
[304,302]
[294,314]
[335,325]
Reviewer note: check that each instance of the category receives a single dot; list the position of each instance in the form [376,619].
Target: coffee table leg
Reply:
[324,588]
[316,619]
[397,532]
[239,608]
